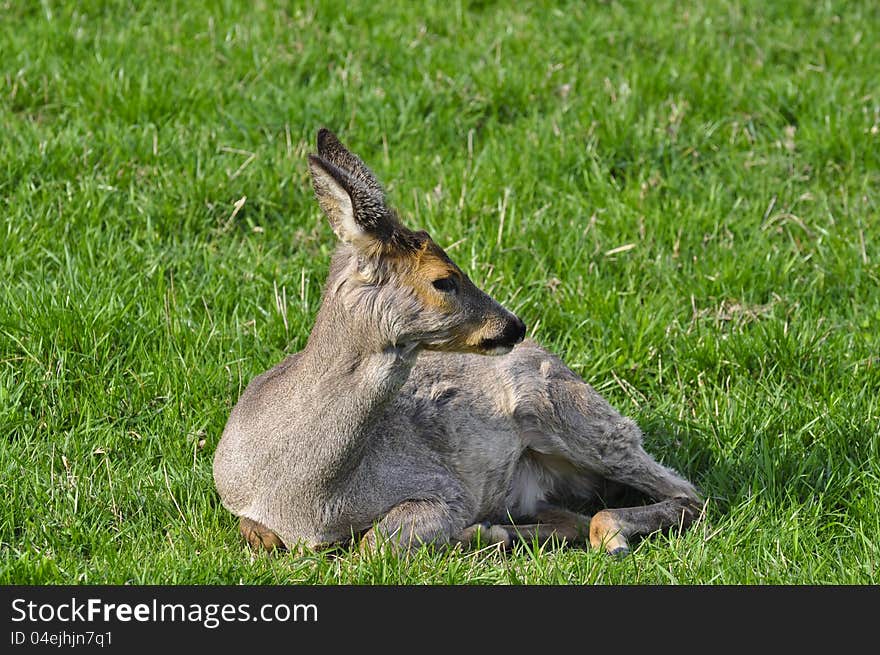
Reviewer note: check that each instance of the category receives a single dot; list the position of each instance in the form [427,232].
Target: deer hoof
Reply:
[258,536]
[606,532]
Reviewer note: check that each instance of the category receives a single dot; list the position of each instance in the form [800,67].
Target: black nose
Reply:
[515,331]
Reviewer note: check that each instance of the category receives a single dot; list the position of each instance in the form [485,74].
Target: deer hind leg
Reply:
[258,536]
[678,504]
[595,438]
[485,534]
[551,522]
[612,529]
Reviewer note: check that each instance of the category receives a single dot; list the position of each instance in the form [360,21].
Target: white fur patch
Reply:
[498,350]
[336,203]
[346,227]
[527,491]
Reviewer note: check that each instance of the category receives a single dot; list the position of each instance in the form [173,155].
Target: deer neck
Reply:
[344,379]
[347,360]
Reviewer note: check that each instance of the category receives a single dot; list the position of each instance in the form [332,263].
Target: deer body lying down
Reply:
[397,424]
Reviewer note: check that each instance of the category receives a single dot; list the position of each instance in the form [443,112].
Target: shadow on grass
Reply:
[782,469]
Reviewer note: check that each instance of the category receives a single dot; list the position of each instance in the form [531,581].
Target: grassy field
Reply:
[680,199]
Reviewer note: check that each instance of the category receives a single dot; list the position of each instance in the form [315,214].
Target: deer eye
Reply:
[445,285]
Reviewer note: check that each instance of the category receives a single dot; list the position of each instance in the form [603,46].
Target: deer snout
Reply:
[513,333]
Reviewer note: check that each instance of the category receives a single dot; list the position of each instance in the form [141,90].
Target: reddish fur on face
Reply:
[427,264]
[418,264]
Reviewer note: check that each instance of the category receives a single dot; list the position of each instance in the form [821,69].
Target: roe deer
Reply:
[395,425]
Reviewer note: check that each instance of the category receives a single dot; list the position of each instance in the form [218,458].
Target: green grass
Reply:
[689,195]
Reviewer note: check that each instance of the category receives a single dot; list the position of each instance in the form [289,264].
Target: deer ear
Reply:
[332,150]
[349,194]
[333,189]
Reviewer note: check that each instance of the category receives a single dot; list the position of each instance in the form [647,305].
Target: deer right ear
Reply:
[335,193]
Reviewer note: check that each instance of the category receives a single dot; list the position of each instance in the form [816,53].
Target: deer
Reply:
[417,414]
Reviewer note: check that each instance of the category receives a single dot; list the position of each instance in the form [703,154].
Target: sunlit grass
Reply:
[680,200]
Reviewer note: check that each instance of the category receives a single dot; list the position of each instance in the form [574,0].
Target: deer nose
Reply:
[514,332]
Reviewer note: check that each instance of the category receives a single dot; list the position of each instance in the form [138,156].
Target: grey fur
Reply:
[373,429]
